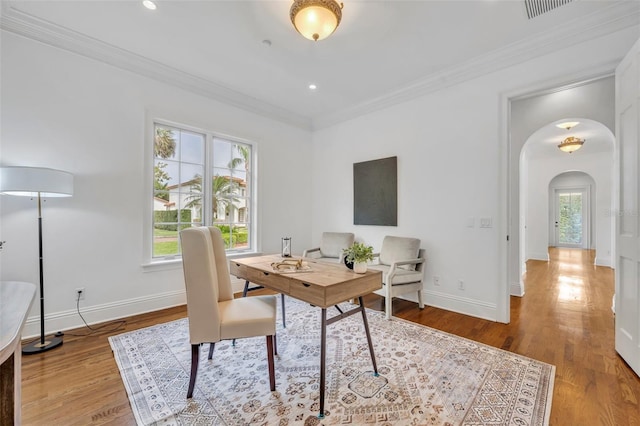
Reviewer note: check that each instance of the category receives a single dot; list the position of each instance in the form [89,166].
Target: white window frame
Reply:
[150,263]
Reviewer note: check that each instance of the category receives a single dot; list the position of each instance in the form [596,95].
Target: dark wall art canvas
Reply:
[375,192]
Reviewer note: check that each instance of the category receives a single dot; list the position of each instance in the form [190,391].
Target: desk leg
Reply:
[323,349]
[284,323]
[366,329]
[244,294]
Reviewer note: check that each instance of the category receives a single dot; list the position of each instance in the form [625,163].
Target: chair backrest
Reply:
[203,283]
[399,248]
[333,243]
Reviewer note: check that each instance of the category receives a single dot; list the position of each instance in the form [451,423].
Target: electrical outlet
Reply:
[460,285]
[436,281]
[79,292]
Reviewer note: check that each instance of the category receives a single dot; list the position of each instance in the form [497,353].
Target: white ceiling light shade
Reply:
[568,124]
[149,4]
[315,19]
[34,181]
[571,144]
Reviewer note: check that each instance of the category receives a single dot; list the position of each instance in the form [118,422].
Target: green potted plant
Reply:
[358,254]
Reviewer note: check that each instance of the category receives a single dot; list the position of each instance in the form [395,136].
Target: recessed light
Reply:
[149,4]
[568,124]
[312,86]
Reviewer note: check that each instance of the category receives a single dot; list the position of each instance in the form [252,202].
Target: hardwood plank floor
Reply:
[564,319]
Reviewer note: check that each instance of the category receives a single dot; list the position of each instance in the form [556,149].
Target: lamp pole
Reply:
[44,345]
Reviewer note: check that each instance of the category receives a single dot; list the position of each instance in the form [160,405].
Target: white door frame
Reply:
[627,296]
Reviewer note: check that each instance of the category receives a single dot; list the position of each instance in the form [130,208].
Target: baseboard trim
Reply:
[539,256]
[461,305]
[66,320]
[603,261]
[517,289]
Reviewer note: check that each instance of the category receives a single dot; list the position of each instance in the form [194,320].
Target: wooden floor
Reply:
[564,319]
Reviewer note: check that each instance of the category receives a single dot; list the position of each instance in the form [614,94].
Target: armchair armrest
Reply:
[309,251]
[397,263]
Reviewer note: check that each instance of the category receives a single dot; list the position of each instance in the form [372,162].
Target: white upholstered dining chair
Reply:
[213,313]
[401,261]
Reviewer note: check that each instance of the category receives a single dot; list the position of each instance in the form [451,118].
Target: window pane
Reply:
[570,218]
[165,143]
[222,153]
[191,174]
[166,172]
[192,147]
[165,240]
[180,181]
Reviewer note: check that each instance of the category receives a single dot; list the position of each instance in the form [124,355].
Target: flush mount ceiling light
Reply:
[568,124]
[571,144]
[315,19]
[149,4]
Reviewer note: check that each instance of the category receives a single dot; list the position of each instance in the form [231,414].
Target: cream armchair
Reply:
[214,314]
[331,246]
[401,261]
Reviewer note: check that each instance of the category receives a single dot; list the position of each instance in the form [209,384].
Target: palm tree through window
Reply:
[200,179]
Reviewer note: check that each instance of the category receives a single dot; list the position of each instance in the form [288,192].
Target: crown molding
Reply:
[616,17]
[28,26]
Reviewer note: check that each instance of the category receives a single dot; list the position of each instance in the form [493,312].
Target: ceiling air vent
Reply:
[538,7]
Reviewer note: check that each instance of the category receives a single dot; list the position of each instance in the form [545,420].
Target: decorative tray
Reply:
[291,266]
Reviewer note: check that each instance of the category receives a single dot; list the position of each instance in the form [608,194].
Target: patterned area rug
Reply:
[427,377]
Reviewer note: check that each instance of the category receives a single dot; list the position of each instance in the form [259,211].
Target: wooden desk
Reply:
[15,301]
[324,286]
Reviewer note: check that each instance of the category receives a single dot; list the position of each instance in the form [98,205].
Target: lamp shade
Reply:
[315,19]
[29,181]
[571,144]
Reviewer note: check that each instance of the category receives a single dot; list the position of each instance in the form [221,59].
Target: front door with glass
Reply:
[571,218]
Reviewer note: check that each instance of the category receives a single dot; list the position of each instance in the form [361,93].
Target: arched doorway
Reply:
[545,171]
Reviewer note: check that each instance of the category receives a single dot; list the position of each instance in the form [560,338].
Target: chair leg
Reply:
[420,302]
[211,348]
[275,345]
[195,356]
[272,372]
[284,324]
[246,288]
[388,303]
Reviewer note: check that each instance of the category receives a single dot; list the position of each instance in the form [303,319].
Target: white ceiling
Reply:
[382,52]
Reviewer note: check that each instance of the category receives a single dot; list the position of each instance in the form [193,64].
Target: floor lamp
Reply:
[37,183]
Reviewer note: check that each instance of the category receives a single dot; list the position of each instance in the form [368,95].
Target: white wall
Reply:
[64,111]
[450,158]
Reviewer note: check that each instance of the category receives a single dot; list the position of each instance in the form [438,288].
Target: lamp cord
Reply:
[119,324]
